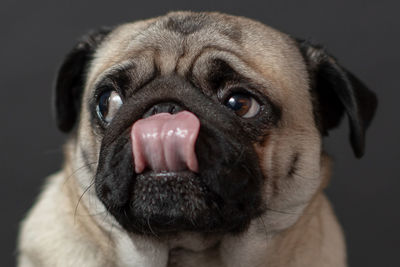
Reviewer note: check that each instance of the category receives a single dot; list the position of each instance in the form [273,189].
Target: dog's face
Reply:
[244,106]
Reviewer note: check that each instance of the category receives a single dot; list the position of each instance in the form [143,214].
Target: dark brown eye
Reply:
[109,103]
[243,105]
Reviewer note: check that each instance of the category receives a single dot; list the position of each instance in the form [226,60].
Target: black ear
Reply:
[337,91]
[71,79]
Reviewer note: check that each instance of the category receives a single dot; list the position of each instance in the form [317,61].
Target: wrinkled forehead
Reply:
[183,42]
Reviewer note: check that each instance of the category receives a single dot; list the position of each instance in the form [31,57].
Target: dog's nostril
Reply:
[165,107]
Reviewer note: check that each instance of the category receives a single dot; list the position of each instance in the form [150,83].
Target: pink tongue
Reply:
[165,142]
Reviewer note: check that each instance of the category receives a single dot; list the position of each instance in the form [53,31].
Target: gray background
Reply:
[363,36]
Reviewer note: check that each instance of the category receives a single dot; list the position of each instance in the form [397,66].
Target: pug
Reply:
[195,139]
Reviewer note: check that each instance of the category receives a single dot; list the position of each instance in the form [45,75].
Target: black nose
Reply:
[166,107]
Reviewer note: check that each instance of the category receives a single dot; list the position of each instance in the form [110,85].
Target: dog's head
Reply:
[203,121]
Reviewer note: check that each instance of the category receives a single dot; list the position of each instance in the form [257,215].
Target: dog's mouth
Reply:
[167,188]
[155,183]
[169,202]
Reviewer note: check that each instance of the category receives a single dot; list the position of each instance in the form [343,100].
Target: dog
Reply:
[195,139]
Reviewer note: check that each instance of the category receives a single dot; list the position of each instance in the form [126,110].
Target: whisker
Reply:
[84,192]
[78,169]
[151,230]
[264,226]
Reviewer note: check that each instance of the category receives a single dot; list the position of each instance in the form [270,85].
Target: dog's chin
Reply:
[172,202]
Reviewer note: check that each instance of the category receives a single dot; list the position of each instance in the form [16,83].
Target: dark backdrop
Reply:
[363,36]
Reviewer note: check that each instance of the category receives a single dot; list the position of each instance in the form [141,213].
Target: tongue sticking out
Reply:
[165,142]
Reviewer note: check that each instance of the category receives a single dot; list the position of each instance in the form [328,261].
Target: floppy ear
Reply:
[71,79]
[337,91]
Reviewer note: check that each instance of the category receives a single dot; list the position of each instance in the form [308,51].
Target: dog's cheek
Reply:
[82,151]
[290,162]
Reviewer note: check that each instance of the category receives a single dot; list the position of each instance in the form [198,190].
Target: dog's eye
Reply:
[109,103]
[243,105]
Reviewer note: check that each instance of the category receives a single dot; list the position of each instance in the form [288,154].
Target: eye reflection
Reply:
[243,105]
[109,104]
